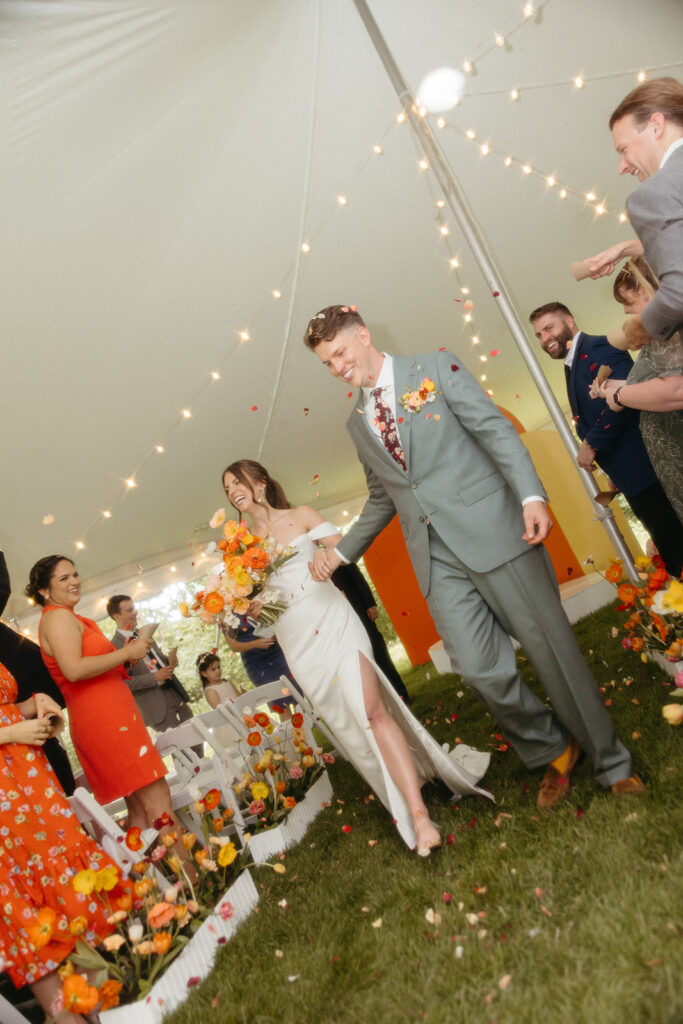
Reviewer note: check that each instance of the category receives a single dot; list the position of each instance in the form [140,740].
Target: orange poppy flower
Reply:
[614,573]
[213,603]
[261,718]
[212,799]
[41,929]
[254,739]
[657,580]
[628,593]
[289,801]
[637,643]
[232,562]
[160,914]
[280,786]
[133,840]
[297,720]
[218,824]
[109,993]
[162,942]
[78,995]
[255,558]
[125,901]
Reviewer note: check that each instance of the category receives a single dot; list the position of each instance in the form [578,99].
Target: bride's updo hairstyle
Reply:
[248,472]
[40,576]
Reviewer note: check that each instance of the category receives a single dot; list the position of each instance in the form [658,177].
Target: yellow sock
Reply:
[561,763]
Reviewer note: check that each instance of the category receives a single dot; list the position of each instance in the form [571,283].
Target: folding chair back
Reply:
[105,831]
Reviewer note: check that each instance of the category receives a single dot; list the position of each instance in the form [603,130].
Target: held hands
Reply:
[325,561]
[606,390]
[586,457]
[537,522]
[32,731]
[605,262]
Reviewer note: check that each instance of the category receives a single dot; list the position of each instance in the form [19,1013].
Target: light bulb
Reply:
[342,200]
[130,482]
[215,375]
[475,339]
[467,318]
[441,122]
[599,209]
[465,291]
[423,164]
[563,193]
[514,94]
[244,335]
[528,10]
[484,359]
[80,545]
[441,203]
[159,448]
[467,66]
[454,262]
[591,197]
[500,40]
[106,514]
[471,134]
[483,377]
[622,217]
[305,247]
[402,117]
[187,414]
[276,293]
[526,169]
[485,150]
[550,181]
[377,149]
[642,76]
[579,82]
[508,161]
[444,230]
[173,568]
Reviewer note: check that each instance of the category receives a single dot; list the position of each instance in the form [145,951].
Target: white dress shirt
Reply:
[672,147]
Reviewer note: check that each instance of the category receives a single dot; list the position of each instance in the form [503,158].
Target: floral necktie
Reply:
[388,429]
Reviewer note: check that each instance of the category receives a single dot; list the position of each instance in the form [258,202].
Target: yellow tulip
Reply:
[673,713]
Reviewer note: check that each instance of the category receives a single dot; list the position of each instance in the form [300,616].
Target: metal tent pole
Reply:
[487,264]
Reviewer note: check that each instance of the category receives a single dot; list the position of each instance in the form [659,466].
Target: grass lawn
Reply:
[570,918]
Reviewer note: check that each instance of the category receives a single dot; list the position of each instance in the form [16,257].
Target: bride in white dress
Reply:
[330,655]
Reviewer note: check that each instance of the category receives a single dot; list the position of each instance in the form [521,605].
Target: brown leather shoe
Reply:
[555,787]
[633,786]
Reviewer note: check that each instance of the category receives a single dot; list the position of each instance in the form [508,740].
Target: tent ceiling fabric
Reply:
[163,162]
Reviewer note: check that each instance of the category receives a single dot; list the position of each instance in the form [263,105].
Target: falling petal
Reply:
[377,923]
[48,520]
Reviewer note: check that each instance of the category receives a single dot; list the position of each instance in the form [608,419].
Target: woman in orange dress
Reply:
[111,740]
[42,846]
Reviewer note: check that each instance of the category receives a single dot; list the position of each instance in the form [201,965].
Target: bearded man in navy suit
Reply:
[610,439]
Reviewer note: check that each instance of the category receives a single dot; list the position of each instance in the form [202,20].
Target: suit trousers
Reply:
[475,614]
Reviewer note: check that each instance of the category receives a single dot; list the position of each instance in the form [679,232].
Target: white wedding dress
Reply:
[322,638]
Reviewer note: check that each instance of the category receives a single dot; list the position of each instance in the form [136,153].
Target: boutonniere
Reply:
[413,401]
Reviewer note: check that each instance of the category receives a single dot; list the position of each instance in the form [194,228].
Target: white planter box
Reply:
[265,845]
[672,667]
[195,961]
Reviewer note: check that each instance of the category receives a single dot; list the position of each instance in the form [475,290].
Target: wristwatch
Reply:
[615,397]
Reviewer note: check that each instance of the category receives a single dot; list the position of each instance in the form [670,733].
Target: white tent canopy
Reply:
[163,163]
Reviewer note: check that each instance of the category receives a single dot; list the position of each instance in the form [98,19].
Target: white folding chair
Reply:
[10,1015]
[104,830]
[201,772]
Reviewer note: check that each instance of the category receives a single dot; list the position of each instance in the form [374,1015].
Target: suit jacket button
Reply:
[413,486]
[422,519]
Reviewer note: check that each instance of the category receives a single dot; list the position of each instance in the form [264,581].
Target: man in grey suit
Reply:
[158,693]
[647,129]
[438,452]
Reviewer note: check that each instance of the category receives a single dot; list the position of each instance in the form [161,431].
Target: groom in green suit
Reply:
[436,451]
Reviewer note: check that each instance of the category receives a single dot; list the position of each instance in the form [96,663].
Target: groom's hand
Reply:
[537,522]
[325,561]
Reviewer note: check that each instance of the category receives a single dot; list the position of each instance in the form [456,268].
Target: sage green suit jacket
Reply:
[467,472]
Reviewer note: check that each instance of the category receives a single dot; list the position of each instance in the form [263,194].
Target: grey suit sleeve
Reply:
[377,513]
[493,431]
[658,211]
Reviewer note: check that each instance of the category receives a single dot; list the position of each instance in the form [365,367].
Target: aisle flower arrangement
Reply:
[247,562]
[156,912]
[280,767]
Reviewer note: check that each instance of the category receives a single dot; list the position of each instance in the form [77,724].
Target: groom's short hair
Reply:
[327,324]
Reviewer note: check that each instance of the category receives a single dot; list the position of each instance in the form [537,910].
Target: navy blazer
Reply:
[615,436]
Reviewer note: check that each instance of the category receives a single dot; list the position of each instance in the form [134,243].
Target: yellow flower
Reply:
[428,384]
[259,791]
[643,562]
[673,713]
[106,878]
[673,596]
[84,881]
[308,761]
[78,925]
[241,576]
[227,853]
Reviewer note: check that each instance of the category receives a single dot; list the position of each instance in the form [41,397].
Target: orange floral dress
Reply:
[111,740]
[42,846]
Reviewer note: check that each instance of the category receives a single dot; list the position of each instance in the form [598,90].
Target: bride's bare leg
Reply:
[397,756]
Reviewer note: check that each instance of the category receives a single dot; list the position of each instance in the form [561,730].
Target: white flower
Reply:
[171,894]
[135,932]
[217,519]
[194,792]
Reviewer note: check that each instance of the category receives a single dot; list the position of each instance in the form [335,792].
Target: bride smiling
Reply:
[330,656]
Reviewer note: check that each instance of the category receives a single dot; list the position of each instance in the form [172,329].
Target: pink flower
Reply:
[257,807]
[226,910]
[329,759]
[296,771]
[678,680]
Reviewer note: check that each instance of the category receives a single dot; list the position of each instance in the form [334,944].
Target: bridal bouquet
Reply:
[248,561]
[655,608]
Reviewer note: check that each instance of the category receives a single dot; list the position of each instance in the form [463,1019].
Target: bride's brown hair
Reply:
[244,469]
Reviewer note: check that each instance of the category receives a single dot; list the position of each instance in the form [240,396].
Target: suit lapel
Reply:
[574,377]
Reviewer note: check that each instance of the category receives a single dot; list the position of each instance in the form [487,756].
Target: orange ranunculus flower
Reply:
[212,799]
[289,801]
[78,995]
[170,839]
[40,930]
[255,558]
[109,993]
[628,593]
[222,545]
[637,643]
[78,925]
[162,941]
[201,855]
[614,573]
[253,739]
[188,839]
[141,888]
[228,813]
[240,606]
[261,718]
[160,914]
[297,720]
[218,824]
[213,603]
[280,786]
[133,840]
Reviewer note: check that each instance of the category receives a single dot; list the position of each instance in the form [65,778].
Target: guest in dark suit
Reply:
[23,659]
[161,697]
[353,585]
[610,439]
